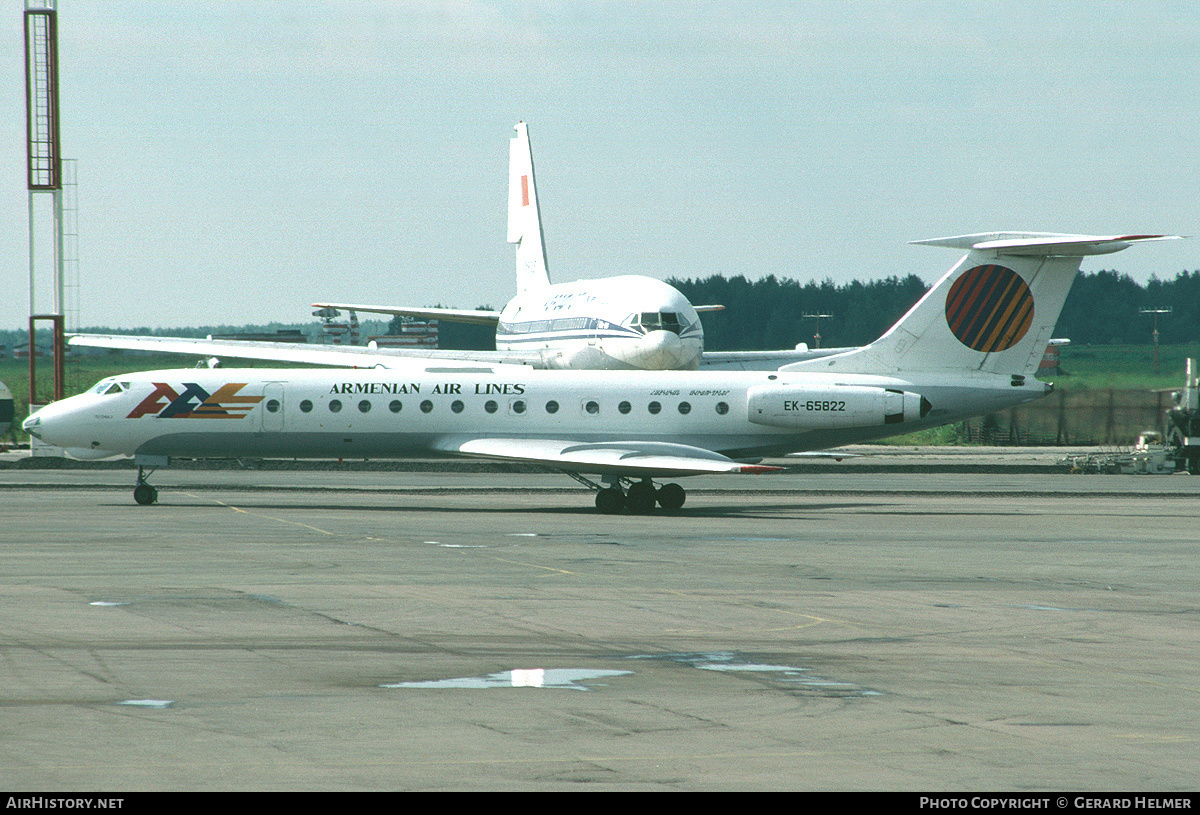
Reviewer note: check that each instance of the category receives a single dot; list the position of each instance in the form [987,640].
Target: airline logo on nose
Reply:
[989,308]
[194,402]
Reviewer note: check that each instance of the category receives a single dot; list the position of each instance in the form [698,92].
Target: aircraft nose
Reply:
[33,424]
[49,423]
[663,340]
[660,351]
[64,424]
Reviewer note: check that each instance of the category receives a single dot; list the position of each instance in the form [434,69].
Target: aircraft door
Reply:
[273,404]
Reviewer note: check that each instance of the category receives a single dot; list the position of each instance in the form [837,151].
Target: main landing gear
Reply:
[639,497]
[143,493]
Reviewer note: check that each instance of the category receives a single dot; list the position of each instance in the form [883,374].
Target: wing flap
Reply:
[630,458]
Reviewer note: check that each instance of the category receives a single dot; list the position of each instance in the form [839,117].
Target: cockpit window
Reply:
[649,321]
[109,386]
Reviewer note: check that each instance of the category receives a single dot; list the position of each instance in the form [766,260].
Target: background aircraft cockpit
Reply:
[648,321]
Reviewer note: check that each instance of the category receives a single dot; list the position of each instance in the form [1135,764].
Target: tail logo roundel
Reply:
[989,308]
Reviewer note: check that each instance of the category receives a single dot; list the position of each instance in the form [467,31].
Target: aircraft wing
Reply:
[342,356]
[454,315]
[761,360]
[637,459]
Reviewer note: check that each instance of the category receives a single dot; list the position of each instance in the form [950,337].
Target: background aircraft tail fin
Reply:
[993,312]
[524,217]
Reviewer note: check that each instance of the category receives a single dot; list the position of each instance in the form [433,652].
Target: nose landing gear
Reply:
[143,492]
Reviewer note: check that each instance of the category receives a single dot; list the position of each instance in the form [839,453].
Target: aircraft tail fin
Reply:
[524,217]
[993,312]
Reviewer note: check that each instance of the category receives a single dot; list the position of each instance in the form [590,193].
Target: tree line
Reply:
[1104,307]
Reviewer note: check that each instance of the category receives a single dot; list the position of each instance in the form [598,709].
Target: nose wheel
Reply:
[143,492]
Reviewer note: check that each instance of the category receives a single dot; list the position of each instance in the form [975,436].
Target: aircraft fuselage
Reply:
[424,410]
[628,322]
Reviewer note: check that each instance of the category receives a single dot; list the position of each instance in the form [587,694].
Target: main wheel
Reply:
[144,494]
[671,496]
[640,498]
[610,500]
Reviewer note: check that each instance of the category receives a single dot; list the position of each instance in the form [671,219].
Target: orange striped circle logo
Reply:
[989,308]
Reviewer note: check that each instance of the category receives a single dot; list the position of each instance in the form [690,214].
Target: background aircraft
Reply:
[7,409]
[613,323]
[971,345]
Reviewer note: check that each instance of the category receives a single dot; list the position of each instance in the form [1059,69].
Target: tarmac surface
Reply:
[911,620]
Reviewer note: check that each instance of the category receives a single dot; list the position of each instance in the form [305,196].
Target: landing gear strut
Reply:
[639,497]
[143,493]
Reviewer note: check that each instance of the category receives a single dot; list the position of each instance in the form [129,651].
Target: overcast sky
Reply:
[238,160]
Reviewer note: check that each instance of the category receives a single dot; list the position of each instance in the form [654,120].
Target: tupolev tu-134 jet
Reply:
[613,323]
[971,345]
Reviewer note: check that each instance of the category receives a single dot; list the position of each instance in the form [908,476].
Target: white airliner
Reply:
[971,345]
[613,323]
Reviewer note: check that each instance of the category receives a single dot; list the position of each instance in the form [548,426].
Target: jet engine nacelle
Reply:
[836,406]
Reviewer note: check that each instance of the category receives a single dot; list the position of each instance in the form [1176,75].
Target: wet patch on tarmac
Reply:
[793,678]
[561,678]
[153,704]
[784,676]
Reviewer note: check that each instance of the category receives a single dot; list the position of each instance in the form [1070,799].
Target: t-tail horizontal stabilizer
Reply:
[1043,243]
[992,313]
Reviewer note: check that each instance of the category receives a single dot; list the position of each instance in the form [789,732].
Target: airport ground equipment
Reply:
[1152,454]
